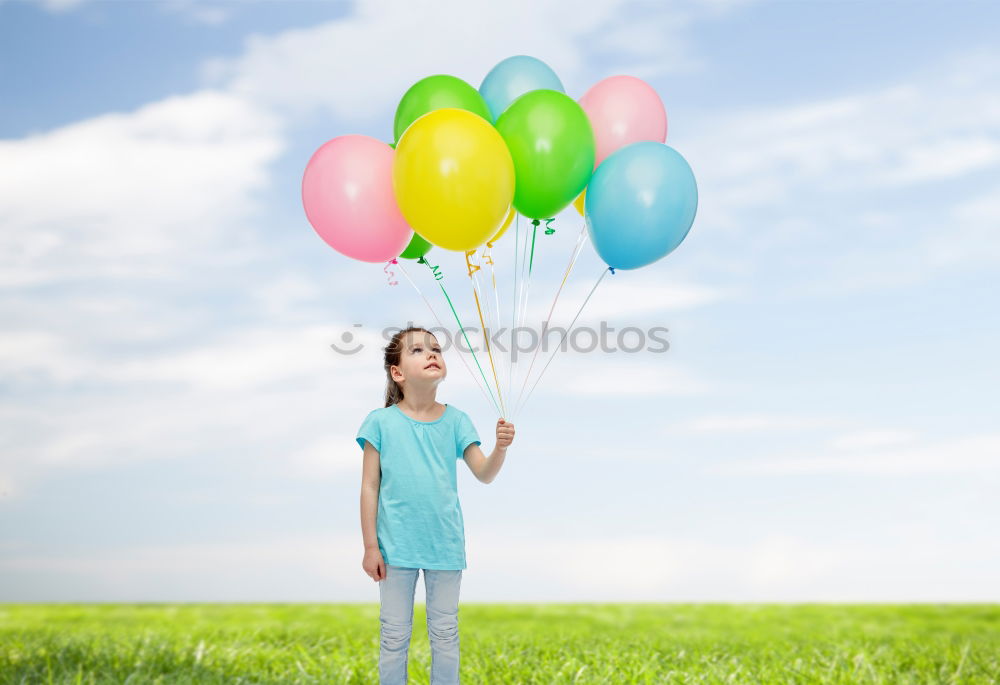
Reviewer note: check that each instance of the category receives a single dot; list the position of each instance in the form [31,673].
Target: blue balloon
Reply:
[640,204]
[514,77]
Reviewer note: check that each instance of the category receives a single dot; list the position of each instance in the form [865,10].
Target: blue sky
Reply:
[175,426]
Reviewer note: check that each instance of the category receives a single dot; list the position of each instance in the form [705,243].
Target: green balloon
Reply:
[437,92]
[392,145]
[552,143]
[417,248]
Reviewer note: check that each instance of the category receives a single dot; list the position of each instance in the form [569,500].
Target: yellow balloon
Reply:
[453,178]
[578,202]
[503,229]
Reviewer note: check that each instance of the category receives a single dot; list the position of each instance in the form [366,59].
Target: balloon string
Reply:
[438,319]
[436,270]
[565,333]
[486,256]
[533,232]
[485,329]
[525,242]
[438,276]
[489,353]
[531,261]
[526,279]
[389,274]
[513,305]
[496,295]
[465,335]
[548,229]
[493,324]
[519,306]
[526,282]
[569,267]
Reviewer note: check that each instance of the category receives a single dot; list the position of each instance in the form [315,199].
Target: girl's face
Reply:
[420,360]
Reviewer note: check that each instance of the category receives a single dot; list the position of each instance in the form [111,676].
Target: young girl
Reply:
[411,518]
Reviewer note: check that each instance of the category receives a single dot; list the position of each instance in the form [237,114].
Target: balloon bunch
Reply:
[464,163]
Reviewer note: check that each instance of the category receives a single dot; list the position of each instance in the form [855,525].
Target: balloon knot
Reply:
[611,269]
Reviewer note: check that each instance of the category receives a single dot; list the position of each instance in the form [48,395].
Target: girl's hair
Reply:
[393,351]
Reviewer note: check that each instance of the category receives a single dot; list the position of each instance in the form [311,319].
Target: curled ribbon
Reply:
[390,274]
[473,268]
[436,270]
[548,229]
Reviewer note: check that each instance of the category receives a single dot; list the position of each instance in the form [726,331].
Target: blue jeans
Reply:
[396,618]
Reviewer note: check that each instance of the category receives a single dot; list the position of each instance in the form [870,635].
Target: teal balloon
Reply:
[640,204]
[417,248]
[514,77]
[552,144]
[437,92]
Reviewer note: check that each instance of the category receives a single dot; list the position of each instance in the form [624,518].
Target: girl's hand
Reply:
[373,564]
[505,434]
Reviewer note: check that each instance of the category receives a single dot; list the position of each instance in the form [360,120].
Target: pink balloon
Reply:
[348,197]
[623,110]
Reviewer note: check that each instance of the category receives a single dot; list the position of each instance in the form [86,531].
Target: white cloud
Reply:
[772,566]
[295,70]
[199,12]
[899,135]
[744,423]
[262,393]
[244,360]
[873,439]
[960,236]
[60,6]
[816,192]
[238,360]
[627,301]
[973,454]
[286,292]
[638,293]
[147,194]
[943,159]
[290,568]
[7,488]
[338,456]
[280,396]
[315,567]
[968,237]
[620,378]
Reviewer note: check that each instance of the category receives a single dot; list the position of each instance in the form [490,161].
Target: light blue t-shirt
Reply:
[419,522]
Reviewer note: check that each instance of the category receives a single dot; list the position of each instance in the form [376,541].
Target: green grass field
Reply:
[505,643]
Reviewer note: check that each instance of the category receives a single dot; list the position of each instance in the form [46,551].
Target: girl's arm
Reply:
[486,469]
[371,479]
